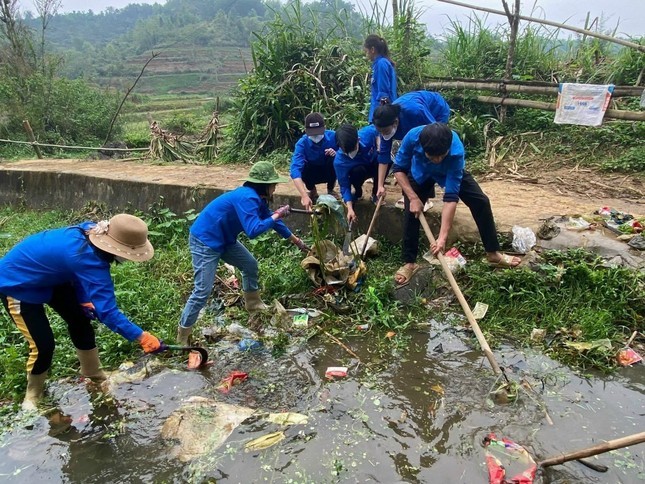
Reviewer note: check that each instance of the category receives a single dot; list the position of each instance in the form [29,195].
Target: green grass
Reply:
[571,295]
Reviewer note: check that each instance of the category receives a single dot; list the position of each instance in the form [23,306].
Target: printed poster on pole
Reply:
[582,104]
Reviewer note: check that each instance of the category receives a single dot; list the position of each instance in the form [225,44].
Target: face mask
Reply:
[388,136]
[353,154]
[317,138]
[119,259]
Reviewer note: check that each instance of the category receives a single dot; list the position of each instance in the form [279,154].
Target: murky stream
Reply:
[415,409]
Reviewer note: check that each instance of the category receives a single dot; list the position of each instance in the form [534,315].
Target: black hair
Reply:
[379,44]
[261,189]
[436,139]
[347,137]
[386,114]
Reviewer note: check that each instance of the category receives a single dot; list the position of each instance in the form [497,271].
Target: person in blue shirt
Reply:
[355,162]
[395,120]
[214,234]
[68,269]
[434,154]
[383,84]
[313,160]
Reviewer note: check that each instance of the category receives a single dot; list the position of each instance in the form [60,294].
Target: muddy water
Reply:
[414,410]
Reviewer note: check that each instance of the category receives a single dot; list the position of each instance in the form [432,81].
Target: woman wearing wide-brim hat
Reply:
[68,269]
[214,234]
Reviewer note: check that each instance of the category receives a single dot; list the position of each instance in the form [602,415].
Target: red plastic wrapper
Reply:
[338,371]
[628,356]
[515,454]
[233,379]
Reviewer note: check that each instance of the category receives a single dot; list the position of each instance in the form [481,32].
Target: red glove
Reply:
[283,211]
[301,245]
[89,310]
[149,342]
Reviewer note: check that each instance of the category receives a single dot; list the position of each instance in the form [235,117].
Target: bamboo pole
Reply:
[608,38]
[594,450]
[525,103]
[464,304]
[30,134]
[478,85]
[36,144]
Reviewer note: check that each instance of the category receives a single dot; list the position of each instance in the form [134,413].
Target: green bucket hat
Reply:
[264,172]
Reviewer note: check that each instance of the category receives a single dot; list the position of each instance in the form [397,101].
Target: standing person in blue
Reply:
[383,84]
[355,162]
[213,236]
[434,154]
[313,160]
[69,270]
[395,120]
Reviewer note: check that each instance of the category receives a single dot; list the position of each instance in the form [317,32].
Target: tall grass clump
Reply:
[299,67]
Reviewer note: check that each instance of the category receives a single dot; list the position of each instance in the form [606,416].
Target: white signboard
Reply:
[583,104]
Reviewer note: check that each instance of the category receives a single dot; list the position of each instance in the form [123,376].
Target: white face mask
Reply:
[389,134]
[316,138]
[353,154]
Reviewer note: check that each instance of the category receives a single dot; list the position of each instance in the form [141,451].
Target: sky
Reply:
[630,13]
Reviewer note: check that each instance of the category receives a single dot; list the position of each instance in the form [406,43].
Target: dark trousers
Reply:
[32,322]
[471,194]
[314,174]
[359,174]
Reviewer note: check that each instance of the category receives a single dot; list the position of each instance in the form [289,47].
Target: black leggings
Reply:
[32,322]
[359,174]
[471,194]
[314,174]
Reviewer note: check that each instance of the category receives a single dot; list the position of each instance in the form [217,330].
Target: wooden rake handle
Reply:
[462,300]
[369,229]
[594,450]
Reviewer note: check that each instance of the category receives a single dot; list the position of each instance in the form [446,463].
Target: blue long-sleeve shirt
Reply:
[418,108]
[383,83]
[234,212]
[366,155]
[306,152]
[411,159]
[30,271]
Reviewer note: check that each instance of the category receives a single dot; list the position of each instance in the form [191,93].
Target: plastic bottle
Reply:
[239,330]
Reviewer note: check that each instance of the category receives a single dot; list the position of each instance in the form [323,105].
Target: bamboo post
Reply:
[525,103]
[594,450]
[380,202]
[32,138]
[464,304]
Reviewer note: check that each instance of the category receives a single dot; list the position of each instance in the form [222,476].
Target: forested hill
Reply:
[203,45]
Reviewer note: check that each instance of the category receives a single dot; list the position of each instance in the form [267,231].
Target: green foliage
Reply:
[632,161]
[298,68]
[571,293]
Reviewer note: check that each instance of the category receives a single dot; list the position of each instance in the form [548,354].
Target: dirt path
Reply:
[517,199]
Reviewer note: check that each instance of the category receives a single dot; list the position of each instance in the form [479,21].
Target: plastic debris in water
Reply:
[336,371]
[265,441]
[628,356]
[234,378]
[287,418]
[249,344]
[514,454]
[194,360]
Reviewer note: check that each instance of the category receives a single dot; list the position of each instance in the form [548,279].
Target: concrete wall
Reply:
[55,190]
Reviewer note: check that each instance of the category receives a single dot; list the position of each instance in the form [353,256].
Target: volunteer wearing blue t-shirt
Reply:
[395,120]
[355,162]
[214,234]
[313,160]
[68,269]
[434,154]
[383,83]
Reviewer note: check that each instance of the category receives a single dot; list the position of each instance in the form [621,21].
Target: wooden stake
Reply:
[464,304]
[32,138]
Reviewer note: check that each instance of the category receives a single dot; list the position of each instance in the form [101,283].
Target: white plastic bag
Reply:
[523,239]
